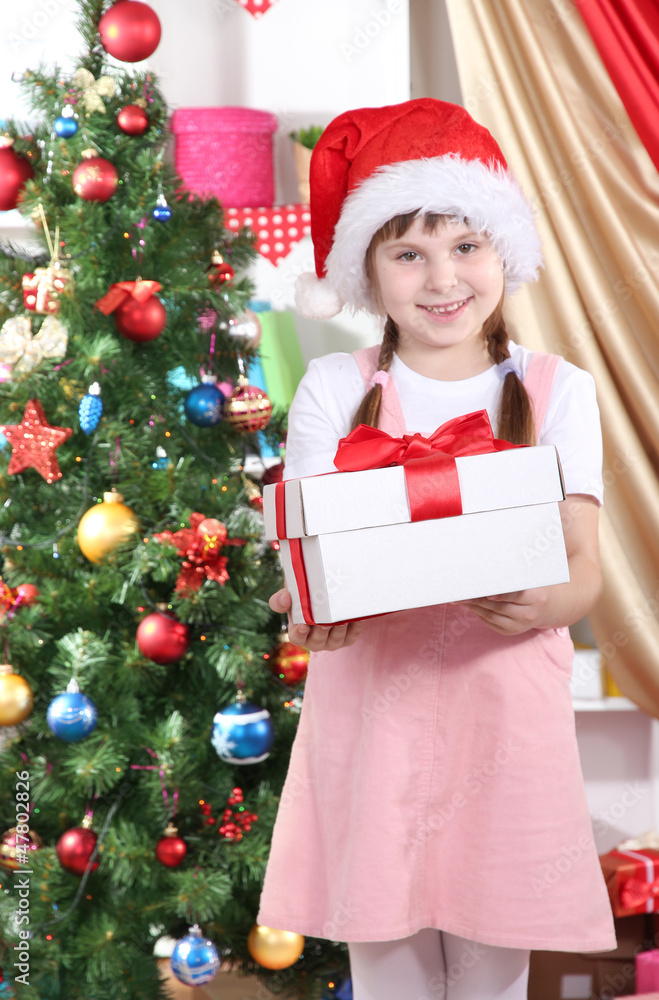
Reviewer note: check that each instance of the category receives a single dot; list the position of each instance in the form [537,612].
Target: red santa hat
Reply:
[372,164]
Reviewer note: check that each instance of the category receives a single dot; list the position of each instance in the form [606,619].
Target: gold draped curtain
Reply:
[531,74]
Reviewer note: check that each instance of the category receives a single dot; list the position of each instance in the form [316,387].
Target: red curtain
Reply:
[626,33]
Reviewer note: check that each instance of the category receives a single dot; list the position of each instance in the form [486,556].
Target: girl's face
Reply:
[439,287]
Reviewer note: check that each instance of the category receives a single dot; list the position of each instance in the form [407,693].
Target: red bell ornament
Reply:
[162,639]
[95,179]
[171,849]
[130,31]
[15,170]
[74,848]
[133,120]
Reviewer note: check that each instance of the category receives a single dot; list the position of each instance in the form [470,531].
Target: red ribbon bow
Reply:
[122,290]
[634,893]
[433,487]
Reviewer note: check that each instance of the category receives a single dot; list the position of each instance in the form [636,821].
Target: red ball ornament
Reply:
[289,661]
[141,321]
[162,639]
[27,593]
[171,849]
[95,179]
[248,408]
[130,31]
[74,849]
[133,120]
[14,172]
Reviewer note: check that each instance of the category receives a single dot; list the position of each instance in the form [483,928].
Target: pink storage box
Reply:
[227,153]
[647,971]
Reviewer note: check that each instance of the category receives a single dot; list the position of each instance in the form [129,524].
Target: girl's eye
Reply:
[409,255]
[466,248]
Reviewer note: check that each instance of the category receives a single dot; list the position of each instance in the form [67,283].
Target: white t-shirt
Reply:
[329,394]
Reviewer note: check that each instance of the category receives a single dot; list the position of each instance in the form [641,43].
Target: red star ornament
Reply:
[34,441]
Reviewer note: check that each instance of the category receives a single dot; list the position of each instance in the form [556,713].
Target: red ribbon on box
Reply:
[635,893]
[632,878]
[122,290]
[431,474]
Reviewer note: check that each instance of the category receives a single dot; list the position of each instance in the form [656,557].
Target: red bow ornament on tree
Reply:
[122,290]
[201,545]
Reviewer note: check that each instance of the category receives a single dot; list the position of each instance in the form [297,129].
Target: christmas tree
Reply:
[135,574]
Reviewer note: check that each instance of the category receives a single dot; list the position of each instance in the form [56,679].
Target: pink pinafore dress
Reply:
[435,780]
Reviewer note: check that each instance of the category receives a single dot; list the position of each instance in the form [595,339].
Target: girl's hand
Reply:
[512,614]
[315,637]
[564,603]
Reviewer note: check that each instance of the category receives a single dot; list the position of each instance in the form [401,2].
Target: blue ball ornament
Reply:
[162,212]
[72,716]
[65,127]
[195,960]
[243,733]
[90,410]
[203,404]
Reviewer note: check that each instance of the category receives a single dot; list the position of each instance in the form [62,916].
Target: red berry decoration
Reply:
[141,321]
[133,120]
[74,848]
[14,172]
[95,179]
[130,31]
[171,849]
[289,661]
[162,639]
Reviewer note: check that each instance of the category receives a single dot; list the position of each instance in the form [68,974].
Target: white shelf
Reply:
[604,705]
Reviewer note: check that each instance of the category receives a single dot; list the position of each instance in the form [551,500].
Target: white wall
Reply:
[303,61]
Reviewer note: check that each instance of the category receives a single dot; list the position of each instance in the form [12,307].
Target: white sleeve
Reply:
[572,423]
[321,414]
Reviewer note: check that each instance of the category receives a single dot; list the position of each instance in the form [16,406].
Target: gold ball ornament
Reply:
[103,527]
[16,697]
[15,852]
[274,949]
[248,408]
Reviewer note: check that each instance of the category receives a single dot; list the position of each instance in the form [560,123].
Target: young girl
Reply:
[434,814]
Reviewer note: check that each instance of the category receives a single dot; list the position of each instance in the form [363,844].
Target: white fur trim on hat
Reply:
[315,297]
[489,198]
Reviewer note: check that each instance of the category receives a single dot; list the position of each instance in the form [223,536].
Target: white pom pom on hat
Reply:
[422,156]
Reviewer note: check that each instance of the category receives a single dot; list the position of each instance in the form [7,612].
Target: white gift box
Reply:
[349,548]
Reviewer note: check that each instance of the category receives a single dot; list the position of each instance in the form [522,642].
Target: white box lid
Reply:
[348,501]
